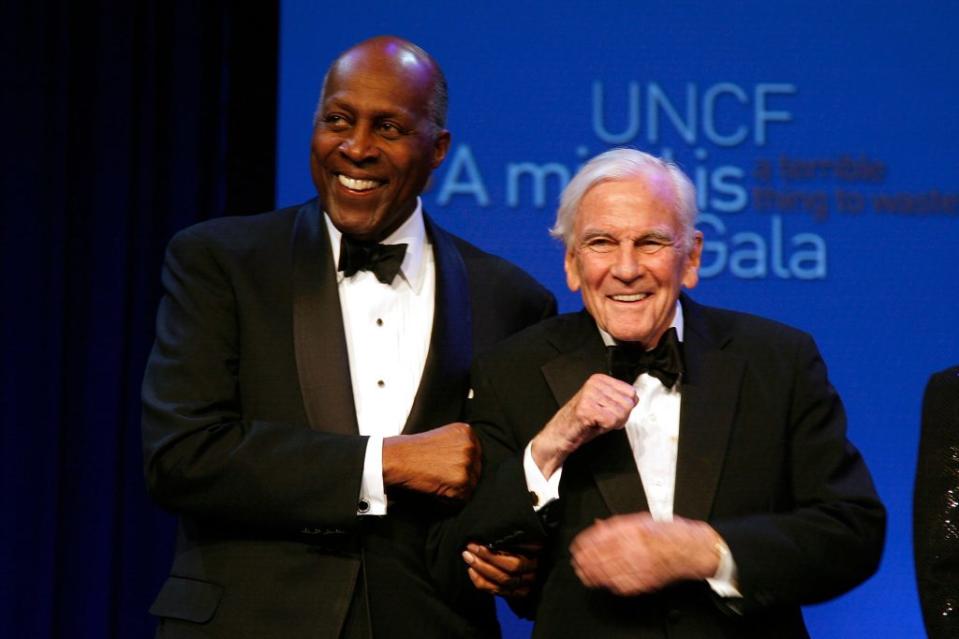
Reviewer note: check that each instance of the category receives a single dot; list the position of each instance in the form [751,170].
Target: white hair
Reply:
[622,165]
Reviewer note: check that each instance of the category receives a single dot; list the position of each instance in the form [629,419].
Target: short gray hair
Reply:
[619,165]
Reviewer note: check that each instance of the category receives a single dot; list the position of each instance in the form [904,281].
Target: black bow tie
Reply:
[665,362]
[383,260]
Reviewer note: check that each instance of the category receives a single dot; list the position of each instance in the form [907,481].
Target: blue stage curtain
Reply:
[122,123]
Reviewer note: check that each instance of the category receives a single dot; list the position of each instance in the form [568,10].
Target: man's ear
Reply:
[441,146]
[693,260]
[573,280]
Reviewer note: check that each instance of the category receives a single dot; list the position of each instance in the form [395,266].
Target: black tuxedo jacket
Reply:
[762,456]
[934,506]
[250,434]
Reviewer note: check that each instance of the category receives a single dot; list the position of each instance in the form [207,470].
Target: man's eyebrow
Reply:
[590,234]
[657,234]
[375,113]
[652,234]
[333,104]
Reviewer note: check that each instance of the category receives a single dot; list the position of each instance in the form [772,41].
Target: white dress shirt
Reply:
[653,432]
[387,329]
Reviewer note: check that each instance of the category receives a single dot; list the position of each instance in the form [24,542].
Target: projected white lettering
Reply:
[695,115]
[750,255]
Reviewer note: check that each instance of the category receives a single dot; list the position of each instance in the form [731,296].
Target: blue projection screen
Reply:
[822,137]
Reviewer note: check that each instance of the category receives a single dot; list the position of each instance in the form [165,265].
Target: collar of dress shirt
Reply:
[677,324]
[412,233]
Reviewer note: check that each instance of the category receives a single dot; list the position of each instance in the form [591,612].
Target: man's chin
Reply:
[360,223]
[632,334]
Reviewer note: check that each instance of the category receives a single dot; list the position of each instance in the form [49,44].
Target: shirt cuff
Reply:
[372,500]
[543,490]
[723,582]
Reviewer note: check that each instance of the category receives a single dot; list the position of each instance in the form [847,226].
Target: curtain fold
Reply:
[123,123]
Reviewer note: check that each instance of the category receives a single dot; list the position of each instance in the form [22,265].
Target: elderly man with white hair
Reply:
[686,467]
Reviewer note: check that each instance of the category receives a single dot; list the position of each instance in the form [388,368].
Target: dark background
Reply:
[123,122]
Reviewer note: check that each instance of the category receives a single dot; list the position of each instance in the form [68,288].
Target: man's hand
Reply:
[502,573]
[632,554]
[444,462]
[601,405]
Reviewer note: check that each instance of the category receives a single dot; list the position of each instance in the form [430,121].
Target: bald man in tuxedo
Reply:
[301,404]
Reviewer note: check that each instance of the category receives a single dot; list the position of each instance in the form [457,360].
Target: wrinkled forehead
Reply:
[648,199]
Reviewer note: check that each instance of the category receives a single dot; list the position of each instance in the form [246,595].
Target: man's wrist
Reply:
[542,489]
[725,580]
[697,557]
[714,547]
[392,460]
[547,456]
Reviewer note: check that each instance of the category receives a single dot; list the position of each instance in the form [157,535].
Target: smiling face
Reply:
[628,258]
[374,145]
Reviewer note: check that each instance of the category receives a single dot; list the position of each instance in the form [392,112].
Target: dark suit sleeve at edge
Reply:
[202,458]
[501,509]
[832,538]
[934,508]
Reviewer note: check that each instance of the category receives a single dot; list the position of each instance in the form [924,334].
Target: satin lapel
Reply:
[567,372]
[322,360]
[444,384]
[609,457]
[710,389]
[611,460]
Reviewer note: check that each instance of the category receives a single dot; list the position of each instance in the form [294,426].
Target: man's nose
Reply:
[627,265]
[359,145]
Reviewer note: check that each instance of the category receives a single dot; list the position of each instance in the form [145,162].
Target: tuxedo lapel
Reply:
[609,457]
[611,461]
[585,356]
[444,384]
[710,390]
[322,359]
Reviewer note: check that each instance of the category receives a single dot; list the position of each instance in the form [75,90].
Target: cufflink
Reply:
[363,506]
